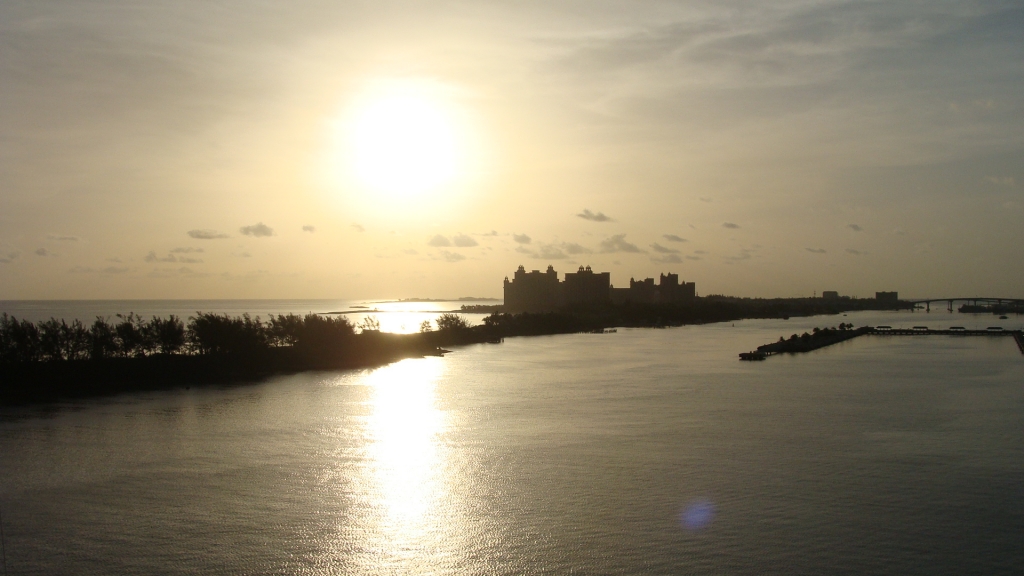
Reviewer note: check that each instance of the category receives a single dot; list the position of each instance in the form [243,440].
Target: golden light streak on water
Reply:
[405,462]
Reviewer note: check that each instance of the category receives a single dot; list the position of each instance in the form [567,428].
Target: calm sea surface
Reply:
[639,452]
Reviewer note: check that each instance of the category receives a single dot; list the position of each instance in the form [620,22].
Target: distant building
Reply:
[670,289]
[887,297]
[534,291]
[830,295]
[537,291]
[586,287]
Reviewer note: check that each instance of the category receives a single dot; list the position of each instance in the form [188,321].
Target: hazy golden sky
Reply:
[180,149]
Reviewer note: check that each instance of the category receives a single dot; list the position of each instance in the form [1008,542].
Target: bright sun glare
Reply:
[403,146]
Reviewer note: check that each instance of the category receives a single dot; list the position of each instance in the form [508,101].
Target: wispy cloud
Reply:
[206,234]
[815,250]
[152,257]
[573,248]
[743,255]
[358,227]
[174,272]
[451,256]
[667,259]
[1007,181]
[854,227]
[8,257]
[543,252]
[663,249]
[56,238]
[730,225]
[598,217]
[107,270]
[673,238]
[464,241]
[258,230]
[618,243]
[521,238]
[854,252]
[308,228]
[43,252]
[551,252]
[439,241]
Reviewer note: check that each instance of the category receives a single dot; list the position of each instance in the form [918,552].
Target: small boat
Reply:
[1003,318]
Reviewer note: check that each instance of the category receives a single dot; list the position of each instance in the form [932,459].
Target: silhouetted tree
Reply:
[50,339]
[426,326]
[19,341]
[369,324]
[102,339]
[285,330]
[499,319]
[450,321]
[132,337]
[168,335]
[219,334]
[60,341]
[323,334]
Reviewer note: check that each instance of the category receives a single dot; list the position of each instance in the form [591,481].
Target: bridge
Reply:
[1016,304]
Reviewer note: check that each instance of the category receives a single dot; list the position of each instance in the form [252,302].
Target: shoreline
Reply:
[48,381]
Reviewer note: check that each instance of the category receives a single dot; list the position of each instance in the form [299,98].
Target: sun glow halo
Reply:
[403,146]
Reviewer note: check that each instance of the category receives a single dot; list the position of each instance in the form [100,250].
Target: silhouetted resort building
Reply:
[538,291]
[890,297]
[586,287]
[668,290]
[534,291]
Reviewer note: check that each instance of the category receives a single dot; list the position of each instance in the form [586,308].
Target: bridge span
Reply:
[1014,304]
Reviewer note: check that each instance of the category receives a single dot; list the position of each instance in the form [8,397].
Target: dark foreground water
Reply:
[641,452]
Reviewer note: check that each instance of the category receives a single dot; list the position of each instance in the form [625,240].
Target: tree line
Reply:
[131,336]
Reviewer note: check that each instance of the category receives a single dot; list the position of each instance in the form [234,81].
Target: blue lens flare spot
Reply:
[697,515]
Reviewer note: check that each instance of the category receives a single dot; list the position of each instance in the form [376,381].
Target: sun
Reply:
[403,145]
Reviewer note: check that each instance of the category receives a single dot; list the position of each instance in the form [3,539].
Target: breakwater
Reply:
[820,338]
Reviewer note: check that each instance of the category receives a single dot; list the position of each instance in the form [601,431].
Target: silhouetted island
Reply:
[51,360]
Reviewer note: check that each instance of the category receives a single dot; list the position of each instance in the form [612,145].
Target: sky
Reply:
[229,149]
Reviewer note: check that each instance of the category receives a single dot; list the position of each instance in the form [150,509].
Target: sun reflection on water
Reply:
[404,456]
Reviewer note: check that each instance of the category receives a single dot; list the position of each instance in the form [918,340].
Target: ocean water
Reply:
[639,452]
